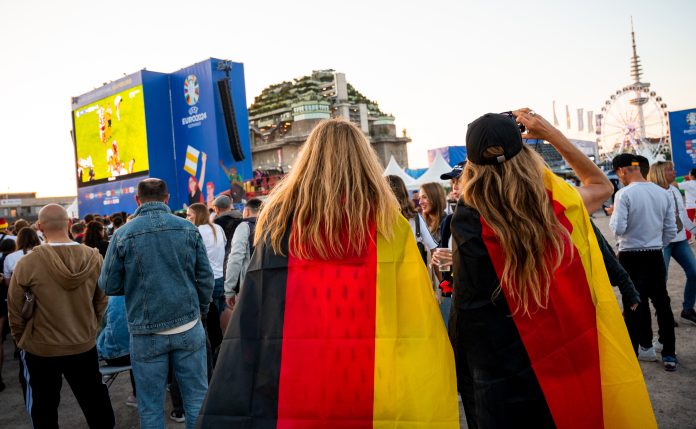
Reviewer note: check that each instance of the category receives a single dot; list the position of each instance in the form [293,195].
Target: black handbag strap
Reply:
[418,233]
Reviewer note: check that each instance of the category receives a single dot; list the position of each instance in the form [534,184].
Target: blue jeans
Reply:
[681,252]
[150,357]
[445,308]
[219,295]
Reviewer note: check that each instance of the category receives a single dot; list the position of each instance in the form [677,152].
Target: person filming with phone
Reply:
[533,308]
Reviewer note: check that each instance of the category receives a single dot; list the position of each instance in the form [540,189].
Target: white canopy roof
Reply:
[438,167]
[393,169]
[72,209]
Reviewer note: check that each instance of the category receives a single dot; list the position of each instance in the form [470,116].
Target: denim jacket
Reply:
[158,261]
[114,341]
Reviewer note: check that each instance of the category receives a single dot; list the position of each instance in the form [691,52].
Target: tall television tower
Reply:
[636,73]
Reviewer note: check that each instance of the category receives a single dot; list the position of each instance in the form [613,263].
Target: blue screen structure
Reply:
[682,126]
[185,118]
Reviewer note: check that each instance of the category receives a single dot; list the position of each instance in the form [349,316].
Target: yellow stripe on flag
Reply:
[625,399]
[415,379]
[191,157]
[191,162]
[189,170]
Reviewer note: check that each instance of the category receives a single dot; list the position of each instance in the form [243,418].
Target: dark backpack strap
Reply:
[418,233]
[252,231]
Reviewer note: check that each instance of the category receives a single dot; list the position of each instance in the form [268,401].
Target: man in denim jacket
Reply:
[158,261]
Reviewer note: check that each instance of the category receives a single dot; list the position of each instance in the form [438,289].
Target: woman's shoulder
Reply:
[403,225]
[205,228]
[465,214]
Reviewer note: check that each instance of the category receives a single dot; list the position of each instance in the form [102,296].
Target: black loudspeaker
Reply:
[230,121]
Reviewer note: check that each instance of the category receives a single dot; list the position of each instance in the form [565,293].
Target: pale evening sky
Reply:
[435,65]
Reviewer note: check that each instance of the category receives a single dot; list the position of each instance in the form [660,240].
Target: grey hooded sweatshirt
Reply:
[69,305]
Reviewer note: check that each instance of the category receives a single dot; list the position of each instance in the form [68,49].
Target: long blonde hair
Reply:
[512,199]
[438,200]
[201,216]
[657,173]
[333,195]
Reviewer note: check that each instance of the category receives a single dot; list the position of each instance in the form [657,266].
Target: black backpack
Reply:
[229,224]
[252,230]
[251,221]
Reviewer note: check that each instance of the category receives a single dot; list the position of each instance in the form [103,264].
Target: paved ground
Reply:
[671,393]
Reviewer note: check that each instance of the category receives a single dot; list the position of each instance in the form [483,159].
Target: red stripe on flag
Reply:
[561,341]
[328,354]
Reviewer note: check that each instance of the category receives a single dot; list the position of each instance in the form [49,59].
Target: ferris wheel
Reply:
[634,119]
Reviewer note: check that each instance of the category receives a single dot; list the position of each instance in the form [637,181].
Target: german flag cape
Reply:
[352,343]
[578,347]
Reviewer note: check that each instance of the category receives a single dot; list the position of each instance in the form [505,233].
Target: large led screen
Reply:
[110,138]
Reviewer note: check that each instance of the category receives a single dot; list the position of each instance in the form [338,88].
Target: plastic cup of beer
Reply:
[443,268]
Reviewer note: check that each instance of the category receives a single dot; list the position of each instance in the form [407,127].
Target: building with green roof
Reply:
[283,115]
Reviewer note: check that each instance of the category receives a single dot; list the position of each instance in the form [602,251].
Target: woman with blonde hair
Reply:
[433,202]
[662,174]
[214,240]
[533,307]
[336,313]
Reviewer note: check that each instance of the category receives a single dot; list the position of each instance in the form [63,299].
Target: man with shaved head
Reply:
[158,261]
[59,338]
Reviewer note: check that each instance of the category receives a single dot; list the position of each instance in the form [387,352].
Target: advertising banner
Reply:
[452,154]
[682,126]
[204,162]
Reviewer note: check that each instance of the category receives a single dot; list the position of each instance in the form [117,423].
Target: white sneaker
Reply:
[658,346]
[647,355]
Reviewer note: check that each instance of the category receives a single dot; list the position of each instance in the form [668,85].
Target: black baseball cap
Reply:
[624,160]
[455,173]
[492,129]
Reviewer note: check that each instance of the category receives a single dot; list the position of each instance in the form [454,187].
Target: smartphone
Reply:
[511,116]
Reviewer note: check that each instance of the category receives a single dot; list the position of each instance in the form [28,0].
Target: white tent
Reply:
[438,167]
[72,209]
[393,169]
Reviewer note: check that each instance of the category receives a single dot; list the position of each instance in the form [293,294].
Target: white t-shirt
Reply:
[11,262]
[426,238]
[689,187]
[8,237]
[214,247]
[687,225]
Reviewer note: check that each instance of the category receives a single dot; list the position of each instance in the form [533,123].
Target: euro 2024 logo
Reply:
[191,93]
[191,90]
[691,119]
